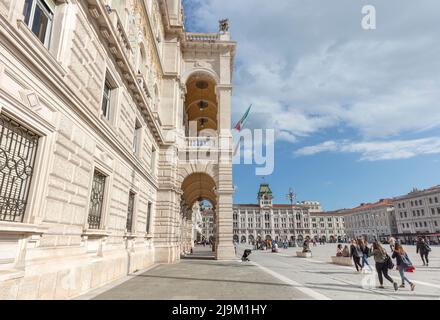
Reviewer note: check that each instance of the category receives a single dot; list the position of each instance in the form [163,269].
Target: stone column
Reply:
[167,216]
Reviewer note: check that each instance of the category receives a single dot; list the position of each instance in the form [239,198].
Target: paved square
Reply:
[273,276]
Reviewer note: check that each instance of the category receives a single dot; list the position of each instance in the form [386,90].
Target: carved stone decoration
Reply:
[224,25]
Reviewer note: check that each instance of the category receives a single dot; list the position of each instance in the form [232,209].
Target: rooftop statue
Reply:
[224,25]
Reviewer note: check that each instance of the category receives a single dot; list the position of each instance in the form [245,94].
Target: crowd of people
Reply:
[360,251]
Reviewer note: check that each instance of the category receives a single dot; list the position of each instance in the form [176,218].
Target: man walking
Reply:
[424,249]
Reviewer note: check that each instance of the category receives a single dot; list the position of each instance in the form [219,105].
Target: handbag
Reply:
[389,262]
[407,264]
[410,269]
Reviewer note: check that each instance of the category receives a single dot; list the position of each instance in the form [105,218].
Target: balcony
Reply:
[202,37]
[199,149]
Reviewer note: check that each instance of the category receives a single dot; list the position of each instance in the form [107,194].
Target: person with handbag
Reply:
[424,249]
[383,263]
[404,264]
[356,254]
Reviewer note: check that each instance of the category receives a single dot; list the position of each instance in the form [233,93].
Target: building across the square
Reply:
[285,222]
[418,214]
[371,221]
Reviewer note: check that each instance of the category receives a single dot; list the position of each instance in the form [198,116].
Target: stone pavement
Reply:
[270,276]
[200,280]
[324,279]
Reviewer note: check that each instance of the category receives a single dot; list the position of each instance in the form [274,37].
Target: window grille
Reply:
[96,200]
[18,148]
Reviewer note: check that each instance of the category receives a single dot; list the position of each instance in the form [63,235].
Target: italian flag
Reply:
[241,123]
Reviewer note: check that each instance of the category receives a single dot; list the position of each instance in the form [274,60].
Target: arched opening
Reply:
[243,239]
[198,193]
[236,238]
[300,238]
[201,104]
[251,239]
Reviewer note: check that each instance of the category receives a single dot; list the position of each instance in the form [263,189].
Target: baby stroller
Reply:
[246,254]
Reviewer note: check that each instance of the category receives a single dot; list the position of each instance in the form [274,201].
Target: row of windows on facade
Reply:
[415,203]
[269,231]
[418,224]
[18,148]
[97,201]
[418,213]
[274,212]
[39,16]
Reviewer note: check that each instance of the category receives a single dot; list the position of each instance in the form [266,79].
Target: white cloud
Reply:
[377,150]
[308,66]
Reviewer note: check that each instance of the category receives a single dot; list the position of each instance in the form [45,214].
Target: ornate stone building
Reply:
[297,222]
[102,107]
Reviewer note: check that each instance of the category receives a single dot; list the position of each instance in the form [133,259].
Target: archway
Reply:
[201,102]
[243,239]
[197,194]
[251,239]
[236,238]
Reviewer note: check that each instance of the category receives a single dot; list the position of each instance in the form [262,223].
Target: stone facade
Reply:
[101,94]
[418,214]
[371,221]
[265,220]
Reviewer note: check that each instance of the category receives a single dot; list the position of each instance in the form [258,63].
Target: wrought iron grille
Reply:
[18,148]
[130,212]
[96,200]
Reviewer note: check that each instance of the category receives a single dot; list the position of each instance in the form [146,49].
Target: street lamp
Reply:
[291,196]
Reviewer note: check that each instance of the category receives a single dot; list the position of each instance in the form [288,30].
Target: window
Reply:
[130,211]
[96,200]
[106,98]
[137,137]
[38,15]
[153,160]
[18,147]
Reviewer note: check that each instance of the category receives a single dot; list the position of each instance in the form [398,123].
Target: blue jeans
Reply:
[365,262]
[402,276]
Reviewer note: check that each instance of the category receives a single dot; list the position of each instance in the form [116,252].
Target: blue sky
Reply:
[356,113]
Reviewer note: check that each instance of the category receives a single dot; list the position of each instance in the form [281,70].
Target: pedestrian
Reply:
[423,249]
[365,253]
[346,252]
[404,264]
[383,264]
[339,250]
[392,242]
[356,254]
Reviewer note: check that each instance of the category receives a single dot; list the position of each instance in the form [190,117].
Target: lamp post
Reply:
[291,196]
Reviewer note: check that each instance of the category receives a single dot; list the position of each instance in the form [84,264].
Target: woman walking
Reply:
[403,264]
[382,260]
[365,253]
[356,254]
